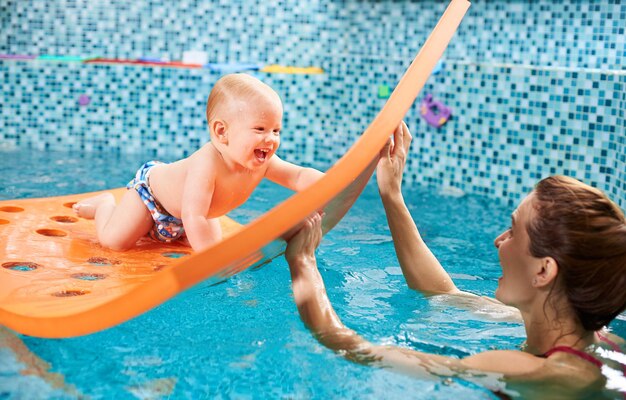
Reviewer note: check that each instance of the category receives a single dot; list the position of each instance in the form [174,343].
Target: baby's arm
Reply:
[291,176]
[196,202]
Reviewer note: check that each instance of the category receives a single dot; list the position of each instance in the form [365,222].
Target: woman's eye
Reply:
[510,230]
[259,129]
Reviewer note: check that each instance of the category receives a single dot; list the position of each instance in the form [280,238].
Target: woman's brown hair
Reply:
[585,232]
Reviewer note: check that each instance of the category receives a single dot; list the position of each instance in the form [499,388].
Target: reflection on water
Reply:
[24,375]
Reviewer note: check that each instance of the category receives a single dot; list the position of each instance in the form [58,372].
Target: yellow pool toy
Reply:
[286,69]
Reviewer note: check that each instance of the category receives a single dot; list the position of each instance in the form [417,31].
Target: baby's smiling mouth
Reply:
[261,154]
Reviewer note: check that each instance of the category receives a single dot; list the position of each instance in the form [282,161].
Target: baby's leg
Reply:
[119,227]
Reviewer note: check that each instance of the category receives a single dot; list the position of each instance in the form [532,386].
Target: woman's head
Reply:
[585,233]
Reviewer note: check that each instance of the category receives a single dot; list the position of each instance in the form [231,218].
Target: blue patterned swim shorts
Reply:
[167,228]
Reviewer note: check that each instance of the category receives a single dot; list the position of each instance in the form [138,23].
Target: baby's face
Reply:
[254,131]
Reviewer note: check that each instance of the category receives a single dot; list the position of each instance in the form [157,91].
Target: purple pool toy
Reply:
[435,113]
[83,100]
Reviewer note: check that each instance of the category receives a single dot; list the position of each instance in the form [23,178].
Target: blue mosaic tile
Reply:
[536,87]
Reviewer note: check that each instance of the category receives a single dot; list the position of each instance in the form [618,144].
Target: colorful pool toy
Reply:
[17,57]
[232,67]
[384,91]
[119,61]
[55,58]
[84,100]
[434,112]
[286,69]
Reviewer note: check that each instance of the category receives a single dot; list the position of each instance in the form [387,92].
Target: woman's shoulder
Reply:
[562,375]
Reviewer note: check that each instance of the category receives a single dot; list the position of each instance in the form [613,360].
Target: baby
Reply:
[188,196]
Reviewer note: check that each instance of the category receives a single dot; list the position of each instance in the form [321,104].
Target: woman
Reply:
[563,267]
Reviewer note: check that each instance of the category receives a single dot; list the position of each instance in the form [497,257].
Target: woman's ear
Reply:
[547,273]
[218,127]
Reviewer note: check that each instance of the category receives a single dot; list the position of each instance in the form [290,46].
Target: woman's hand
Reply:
[392,160]
[302,245]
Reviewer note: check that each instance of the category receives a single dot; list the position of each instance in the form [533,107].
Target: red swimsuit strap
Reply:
[571,350]
[585,356]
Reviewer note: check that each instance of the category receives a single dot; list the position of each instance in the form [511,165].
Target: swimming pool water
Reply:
[243,338]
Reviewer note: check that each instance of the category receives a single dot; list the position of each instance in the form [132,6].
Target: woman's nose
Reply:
[498,241]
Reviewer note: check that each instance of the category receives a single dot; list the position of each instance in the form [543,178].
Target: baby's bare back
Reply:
[231,188]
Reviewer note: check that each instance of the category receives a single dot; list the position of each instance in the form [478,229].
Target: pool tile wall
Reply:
[536,87]
[577,33]
[511,126]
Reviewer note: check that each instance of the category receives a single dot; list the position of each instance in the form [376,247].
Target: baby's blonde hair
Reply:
[236,86]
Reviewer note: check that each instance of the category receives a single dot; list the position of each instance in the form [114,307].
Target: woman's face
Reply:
[515,286]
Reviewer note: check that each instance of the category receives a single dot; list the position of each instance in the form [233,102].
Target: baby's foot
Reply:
[88,207]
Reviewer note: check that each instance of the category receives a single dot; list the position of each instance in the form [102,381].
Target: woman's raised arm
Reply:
[420,267]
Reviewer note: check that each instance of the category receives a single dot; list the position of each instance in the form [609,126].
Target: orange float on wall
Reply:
[55,281]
